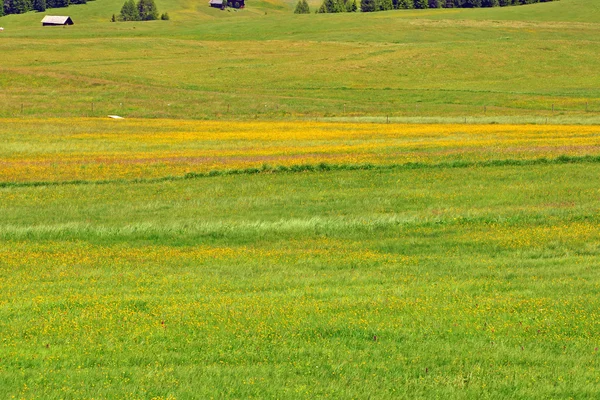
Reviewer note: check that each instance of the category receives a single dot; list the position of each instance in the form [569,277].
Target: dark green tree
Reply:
[331,6]
[467,3]
[18,6]
[39,5]
[351,6]
[405,4]
[59,3]
[490,3]
[421,4]
[165,17]
[434,4]
[129,12]
[147,10]
[367,5]
[384,5]
[7,7]
[302,7]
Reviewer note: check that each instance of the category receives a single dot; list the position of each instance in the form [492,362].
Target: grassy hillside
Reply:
[264,62]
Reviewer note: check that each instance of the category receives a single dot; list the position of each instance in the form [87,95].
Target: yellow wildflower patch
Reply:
[95,149]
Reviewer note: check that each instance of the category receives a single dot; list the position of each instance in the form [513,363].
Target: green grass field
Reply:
[248,231]
[264,62]
[468,271]
[468,283]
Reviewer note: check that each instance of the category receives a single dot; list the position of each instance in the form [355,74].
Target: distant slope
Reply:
[265,61]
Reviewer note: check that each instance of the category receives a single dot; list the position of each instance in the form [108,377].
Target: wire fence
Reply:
[585,112]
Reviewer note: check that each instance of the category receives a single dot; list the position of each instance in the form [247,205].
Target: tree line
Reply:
[336,6]
[23,6]
[143,10]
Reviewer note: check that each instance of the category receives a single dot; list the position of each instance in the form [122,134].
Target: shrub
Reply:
[165,17]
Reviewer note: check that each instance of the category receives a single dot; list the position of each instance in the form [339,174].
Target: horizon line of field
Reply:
[320,167]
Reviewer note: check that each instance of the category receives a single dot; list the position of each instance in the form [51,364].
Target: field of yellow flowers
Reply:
[94,149]
[405,278]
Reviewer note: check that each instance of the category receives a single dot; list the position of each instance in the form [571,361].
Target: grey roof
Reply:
[216,1]
[55,19]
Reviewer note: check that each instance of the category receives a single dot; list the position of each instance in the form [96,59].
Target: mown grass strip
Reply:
[321,167]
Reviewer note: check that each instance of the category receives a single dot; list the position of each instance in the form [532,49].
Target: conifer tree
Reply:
[129,12]
[147,10]
[384,5]
[367,5]
[19,6]
[39,5]
[61,3]
[302,7]
[330,6]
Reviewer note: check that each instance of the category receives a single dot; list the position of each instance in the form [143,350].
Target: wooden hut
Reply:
[217,4]
[53,20]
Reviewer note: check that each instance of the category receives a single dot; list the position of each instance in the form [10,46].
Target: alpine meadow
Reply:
[240,201]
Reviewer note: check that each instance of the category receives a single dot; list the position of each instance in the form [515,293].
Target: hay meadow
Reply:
[401,205]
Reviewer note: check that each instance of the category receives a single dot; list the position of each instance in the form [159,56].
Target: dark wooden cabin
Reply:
[222,4]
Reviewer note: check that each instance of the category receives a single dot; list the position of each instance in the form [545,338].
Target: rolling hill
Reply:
[265,62]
